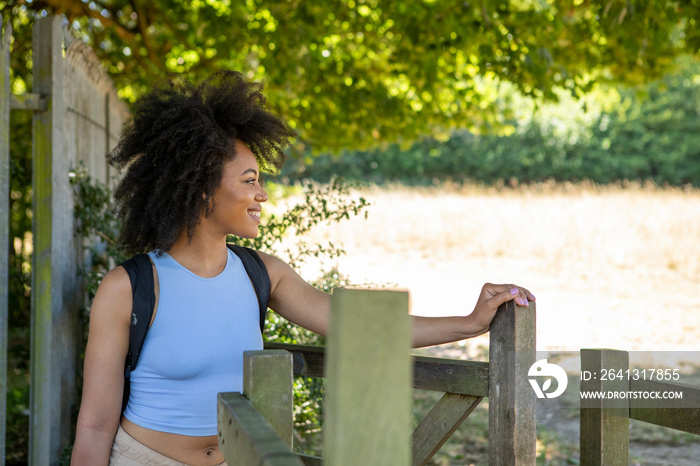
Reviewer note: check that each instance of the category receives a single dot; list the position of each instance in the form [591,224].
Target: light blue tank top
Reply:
[194,349]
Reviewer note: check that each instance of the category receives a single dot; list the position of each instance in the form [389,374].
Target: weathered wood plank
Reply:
[451,375]
[32,102]
[246,438]
[308,361]
[267,383]
[439,425]
[604,423]
[107,146]
[681,414]
[512,435]
[95,110]
[438,374]
[56,297]
[51,241]
[5,94]
[686,420]
[368,393]
[309,460]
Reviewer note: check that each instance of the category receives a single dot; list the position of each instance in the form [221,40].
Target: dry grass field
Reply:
[611,266]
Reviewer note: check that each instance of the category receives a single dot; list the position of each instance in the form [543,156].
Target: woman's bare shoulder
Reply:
[114,297]
[269,260]
[277,269]
[116,283]
[273,264]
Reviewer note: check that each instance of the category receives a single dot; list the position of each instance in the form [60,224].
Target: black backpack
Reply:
[141,276]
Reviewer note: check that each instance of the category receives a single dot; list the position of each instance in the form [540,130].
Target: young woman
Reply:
[192,157]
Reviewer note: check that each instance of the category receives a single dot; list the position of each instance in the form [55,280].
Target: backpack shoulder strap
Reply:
[140,273]
[256,270]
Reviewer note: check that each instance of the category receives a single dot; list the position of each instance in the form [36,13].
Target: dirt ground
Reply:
[611,268]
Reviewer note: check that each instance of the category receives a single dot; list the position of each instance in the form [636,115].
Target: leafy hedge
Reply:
[653,134]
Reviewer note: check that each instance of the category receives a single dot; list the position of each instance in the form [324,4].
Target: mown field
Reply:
[615,266]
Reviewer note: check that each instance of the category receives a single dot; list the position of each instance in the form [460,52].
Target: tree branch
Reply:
[74,9]
[143,29]
[485,14]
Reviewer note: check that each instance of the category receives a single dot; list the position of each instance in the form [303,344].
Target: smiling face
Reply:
[238,200]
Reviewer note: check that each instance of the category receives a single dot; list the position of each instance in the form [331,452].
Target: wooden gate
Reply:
[368,395]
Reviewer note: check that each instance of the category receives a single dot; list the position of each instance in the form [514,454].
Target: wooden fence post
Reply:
[604,423]
[512,427]
[256,427]
[52,364]
[368,367]
[246,437]
[267,383]
[5,93]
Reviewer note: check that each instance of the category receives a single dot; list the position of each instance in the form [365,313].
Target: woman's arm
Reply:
[429,331]
[309,307]
[103,373]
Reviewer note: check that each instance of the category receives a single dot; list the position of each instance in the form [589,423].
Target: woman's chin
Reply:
[247,234]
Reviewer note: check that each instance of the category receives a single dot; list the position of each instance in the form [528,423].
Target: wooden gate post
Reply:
[512,427]
[368,367]
[267,383]
[604,423]
[5,94]
[256,427]
[50,392]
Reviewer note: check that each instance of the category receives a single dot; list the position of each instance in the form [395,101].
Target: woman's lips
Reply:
[255,214]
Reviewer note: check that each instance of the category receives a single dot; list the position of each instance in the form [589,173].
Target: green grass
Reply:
[469,445]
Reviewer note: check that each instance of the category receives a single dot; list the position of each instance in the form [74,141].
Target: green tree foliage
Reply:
[352,73]
[648,133]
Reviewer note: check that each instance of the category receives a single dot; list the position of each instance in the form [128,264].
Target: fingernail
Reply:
[533,297]
[514,291]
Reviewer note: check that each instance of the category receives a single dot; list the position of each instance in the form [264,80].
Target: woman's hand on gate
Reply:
[491,297]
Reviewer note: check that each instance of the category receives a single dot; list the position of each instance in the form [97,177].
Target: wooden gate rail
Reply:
[436,374]
[465,384]
[685,419]
[440,423]
[605,422]
[512,434]
[256,442]
[255,427]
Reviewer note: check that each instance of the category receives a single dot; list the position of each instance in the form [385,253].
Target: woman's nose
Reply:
[261,196]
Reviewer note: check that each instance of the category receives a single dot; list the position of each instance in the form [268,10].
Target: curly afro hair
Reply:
[174,147]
